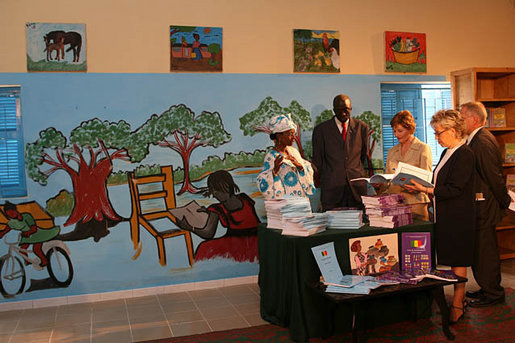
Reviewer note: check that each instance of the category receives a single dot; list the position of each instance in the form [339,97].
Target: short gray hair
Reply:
[450,119]
[476,109]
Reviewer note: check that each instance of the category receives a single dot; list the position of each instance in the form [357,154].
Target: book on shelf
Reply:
[509,153]
[510,182]
[496,117]
[404,174]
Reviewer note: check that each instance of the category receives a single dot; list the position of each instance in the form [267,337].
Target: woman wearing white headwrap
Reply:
[285,172]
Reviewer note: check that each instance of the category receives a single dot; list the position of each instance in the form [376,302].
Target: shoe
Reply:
[462,309]
[475,295]
[487,301]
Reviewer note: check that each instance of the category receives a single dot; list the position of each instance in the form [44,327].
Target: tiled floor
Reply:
[152,317]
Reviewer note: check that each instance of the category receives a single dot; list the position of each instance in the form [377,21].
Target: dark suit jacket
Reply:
[489,180]
[455,220]
[336,162]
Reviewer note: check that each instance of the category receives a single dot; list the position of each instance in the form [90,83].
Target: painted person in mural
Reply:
[340,152]
[196,47]
[284,172]
[236,213]
[30,233]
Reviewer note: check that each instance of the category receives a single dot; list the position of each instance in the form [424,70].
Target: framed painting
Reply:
[405,52]
[56,47]
[195,48]
[316,51]
[374,254]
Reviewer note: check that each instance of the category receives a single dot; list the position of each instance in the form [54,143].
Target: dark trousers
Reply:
[487,264]
[340,197]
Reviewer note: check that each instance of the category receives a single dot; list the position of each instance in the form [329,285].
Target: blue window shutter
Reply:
[12,169]
[422,100]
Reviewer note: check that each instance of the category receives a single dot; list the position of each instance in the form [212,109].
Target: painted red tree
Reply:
[88,160]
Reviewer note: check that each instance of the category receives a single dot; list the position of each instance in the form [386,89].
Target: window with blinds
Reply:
[422,100]
[12,169]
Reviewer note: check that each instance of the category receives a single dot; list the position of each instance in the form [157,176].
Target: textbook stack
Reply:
[388,210]
[345,218]
[294,217]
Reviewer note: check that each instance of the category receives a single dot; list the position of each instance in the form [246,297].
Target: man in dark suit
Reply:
[491,200]
[340,149]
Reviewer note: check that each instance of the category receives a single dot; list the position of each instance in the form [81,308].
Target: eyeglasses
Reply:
[437,134]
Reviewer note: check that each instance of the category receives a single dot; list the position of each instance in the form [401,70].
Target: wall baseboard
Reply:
[131,293]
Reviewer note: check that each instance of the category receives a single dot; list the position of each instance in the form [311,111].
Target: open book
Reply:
[403,176]
[189,212]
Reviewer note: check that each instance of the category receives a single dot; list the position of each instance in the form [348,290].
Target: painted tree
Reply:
[257,120]
[180,130]
[374,135]
[87,157]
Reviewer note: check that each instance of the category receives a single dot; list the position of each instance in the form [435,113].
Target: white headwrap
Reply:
[281,123]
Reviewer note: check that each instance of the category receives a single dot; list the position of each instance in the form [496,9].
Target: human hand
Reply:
[277,164]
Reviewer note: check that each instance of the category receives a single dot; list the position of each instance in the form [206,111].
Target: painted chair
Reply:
[151,198]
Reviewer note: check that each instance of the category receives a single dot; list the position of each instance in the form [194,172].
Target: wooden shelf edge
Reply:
[504,128]
[505,227]
[496,100]
[505,254]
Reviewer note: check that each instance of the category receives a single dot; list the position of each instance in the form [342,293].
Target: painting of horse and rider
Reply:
[56,47]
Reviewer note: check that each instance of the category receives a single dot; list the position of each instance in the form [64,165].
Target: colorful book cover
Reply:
[416,252]
[509,155]
[498,117]
[374,254]
[510,182]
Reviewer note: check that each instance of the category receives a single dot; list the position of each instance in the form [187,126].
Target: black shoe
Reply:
[475,295]
[487,301]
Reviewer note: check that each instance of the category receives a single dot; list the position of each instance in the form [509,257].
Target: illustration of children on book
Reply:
[235,212]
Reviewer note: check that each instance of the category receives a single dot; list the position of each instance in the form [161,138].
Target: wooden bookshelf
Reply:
[494,87]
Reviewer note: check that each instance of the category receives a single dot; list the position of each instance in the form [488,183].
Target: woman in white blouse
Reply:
[412,151]
[454,201]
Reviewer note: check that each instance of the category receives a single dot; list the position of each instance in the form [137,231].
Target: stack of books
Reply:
[294,217]
[345,218]
[388,210]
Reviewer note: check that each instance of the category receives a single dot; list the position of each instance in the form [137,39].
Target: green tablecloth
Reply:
[287,267]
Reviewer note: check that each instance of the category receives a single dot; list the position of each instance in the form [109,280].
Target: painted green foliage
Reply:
[257,120]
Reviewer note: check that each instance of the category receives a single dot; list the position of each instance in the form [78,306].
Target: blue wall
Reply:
[65,100]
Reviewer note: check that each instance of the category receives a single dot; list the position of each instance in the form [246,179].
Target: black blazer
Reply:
[489,180]
[336,162]
[454,199]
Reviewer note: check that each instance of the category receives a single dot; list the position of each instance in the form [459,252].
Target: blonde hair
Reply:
[450,119]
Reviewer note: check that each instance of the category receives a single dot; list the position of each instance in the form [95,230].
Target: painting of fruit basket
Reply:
[405,52]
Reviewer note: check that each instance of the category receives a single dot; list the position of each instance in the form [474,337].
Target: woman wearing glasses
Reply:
[410,150]
[454,201]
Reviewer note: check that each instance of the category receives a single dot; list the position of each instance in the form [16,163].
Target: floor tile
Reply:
[8,325]
[205,293]
[112,337]
[219,312]
[227,323]
[73,333]
[254,319]
[182,317]
[175,297]
[212,302]
[179,307]
[34,335]
[148,332]
[249,308]
[190,328]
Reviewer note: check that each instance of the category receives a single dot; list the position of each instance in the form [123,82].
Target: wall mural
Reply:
[136,180]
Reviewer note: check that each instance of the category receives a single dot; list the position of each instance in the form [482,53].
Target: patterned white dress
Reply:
[289,180]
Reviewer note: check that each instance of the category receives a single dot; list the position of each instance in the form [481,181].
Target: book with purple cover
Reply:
[416,252]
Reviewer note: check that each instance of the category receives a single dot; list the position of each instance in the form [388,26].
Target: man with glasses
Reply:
[491,200]
[340,149]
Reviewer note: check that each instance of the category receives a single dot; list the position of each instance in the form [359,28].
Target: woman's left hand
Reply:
[417,187]
[295,162]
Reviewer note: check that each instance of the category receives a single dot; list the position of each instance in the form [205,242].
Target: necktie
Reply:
[344,132]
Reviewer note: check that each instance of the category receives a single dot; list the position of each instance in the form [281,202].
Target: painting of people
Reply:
[374,254]
[316,51]
[405,52]
[56,47]
[194,48]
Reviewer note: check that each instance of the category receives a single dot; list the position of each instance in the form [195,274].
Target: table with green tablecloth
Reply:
[288,267]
